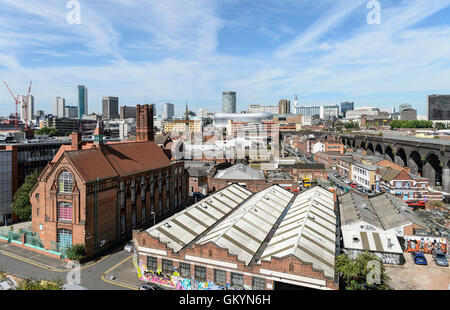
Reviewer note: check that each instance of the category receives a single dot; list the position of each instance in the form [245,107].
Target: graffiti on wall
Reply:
[425,244]
[174,280]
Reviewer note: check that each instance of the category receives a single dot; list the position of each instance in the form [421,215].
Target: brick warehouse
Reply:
[235,239]
[95,196]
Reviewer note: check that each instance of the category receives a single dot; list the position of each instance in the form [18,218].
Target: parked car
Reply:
[353,185]
[149,287]
[440,258]
[129,247]
[419,258]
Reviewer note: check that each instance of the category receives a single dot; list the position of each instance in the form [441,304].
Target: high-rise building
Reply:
[404,106]
[408,115]
[169,110]
[296,106]
[71,111]
[308,111]
[329,113]
[347,106]
[229,102]
[59,107]
[256,108]
[110,107]
[82,101]
[284,106]
[127,112]
[29,102]
[438,108]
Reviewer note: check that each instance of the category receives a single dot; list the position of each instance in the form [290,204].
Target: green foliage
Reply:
[411,124]
[351,125]
[21,202]
[436,137]
[37,285]
[355,271]
[439,126]
[76,252]
[380,134]
[51,131]
[68,133]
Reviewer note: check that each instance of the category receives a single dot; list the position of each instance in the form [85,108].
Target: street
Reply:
[28,264]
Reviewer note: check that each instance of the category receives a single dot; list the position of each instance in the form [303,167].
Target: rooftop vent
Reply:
[168,225]
[355,239]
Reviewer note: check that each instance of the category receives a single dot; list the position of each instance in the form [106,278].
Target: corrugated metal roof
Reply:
[183,227]
[371,241]
[307,231]
[243,231]
[240,172]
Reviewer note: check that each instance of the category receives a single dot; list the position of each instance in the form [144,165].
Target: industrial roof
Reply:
[254,227]
[384,211]
[308,231]
[182,228]
[243,232]
[371,241]
[240,172]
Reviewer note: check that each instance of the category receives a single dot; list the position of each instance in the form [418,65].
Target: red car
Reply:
[353,185]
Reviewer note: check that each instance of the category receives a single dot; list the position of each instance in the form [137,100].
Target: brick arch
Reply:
[400,154]
[379,149]
[389,153]
[60,171]
[370,148]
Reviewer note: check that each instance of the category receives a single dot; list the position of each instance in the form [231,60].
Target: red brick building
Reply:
[236,239]
[96,196]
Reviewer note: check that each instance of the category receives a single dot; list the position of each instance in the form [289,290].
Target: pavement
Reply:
[94,275]
[417,277]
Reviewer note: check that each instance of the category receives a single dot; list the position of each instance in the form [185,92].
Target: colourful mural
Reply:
[174,281]
[425,244]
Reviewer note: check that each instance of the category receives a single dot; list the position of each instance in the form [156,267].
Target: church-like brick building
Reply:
[97,194]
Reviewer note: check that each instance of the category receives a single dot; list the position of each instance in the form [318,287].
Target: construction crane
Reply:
[16,101]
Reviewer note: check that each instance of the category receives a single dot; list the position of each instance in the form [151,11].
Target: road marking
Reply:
[29,261]
[114,267]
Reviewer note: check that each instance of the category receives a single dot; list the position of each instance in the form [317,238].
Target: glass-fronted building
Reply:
[438,108]
[229,102]
[82,101]
[5,186]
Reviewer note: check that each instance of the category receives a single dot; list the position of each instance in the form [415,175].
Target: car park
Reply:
[129,247]
[419,258]
[440,258]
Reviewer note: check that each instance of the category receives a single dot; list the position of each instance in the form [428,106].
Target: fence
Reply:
[32,240]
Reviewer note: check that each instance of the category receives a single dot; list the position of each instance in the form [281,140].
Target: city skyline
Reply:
[325,52]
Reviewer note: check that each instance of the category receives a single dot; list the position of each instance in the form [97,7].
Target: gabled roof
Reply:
[130,158]
[384,211]
[246,228]
[91,164]
[240,172]
[308,231]
[184,227]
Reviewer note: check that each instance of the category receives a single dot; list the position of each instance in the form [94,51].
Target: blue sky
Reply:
[191,50]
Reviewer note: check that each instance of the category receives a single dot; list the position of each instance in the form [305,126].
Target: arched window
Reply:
[65,182]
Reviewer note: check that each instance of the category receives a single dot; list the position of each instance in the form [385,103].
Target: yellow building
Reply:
[183,126]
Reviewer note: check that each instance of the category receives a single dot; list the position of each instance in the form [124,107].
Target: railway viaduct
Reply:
[428,157]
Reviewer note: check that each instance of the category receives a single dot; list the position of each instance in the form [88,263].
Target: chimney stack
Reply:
[76,140]
[144,123]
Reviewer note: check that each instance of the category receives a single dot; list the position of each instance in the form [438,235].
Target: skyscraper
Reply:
[110,107]
[347,106]
[59,107]
[169,110]
[82,101]
[284,106]
[29,102]
[438,108]
[71,111]
[229,102]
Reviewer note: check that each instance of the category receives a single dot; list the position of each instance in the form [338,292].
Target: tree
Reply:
[76,252]
[439,126]
[21,202]
[354,272]
[51,131]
